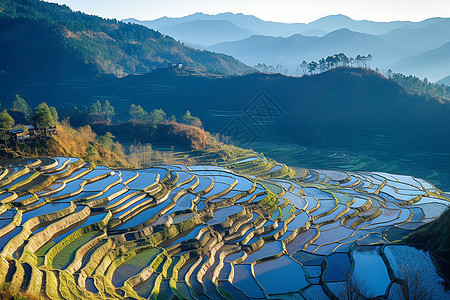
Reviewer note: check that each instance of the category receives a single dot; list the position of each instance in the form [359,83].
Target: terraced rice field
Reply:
[249,228]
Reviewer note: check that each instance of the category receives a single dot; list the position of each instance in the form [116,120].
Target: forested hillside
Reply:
[342,102]
[46,39]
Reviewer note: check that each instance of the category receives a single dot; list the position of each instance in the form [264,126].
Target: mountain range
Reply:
[70,59]
[291,51]
[436,62]
[445,81]
[39,39]
[80,44]
[255,26]
[254,41]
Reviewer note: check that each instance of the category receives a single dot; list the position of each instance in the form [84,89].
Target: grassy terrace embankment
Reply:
[211,230]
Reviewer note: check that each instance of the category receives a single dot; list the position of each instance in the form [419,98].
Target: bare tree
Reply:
[354,289]
[414,285]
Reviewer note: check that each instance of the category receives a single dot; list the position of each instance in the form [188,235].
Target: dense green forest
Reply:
[411,83]
[423,87]
[74,43]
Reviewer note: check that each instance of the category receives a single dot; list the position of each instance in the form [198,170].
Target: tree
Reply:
[312,66]
[138,113]
[358,60]
[280,68]
[265,68]
[45,116]
[108,111]
[330,62]
[6,123]
[423,87]
[369,59]
[186,117]
[104,111]
[304,66]
[322,65]
[334,61]
[344,60]
[415,286]
[157,116]
[351,61]
[21,105]
[389,73]
[54,113]
[78,115]
[95,108]
[106,140]
[259,67]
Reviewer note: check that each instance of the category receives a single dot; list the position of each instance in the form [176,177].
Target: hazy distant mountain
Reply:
[445,80]
[209,32]
[294,49]
[253,40]
[335,22]
[435,33]
[434,64]
[252,25]
[314,32]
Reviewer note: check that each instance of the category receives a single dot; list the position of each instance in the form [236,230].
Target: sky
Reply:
[289,11]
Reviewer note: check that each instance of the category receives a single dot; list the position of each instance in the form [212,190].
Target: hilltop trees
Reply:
[102,112]
[312,67]
[156,116]
[22,106]
[334,61]
[322,65]
[415,85]
[45,116]
[137,113]
[303,66]
[188,119]
[6,123]
[261,67]
[97,112]
[363,61]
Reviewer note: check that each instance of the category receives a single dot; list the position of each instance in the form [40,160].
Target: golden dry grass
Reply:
[85,144]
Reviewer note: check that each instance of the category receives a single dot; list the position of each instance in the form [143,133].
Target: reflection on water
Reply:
[376,155]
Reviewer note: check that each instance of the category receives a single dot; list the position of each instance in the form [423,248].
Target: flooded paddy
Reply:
[180,230]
